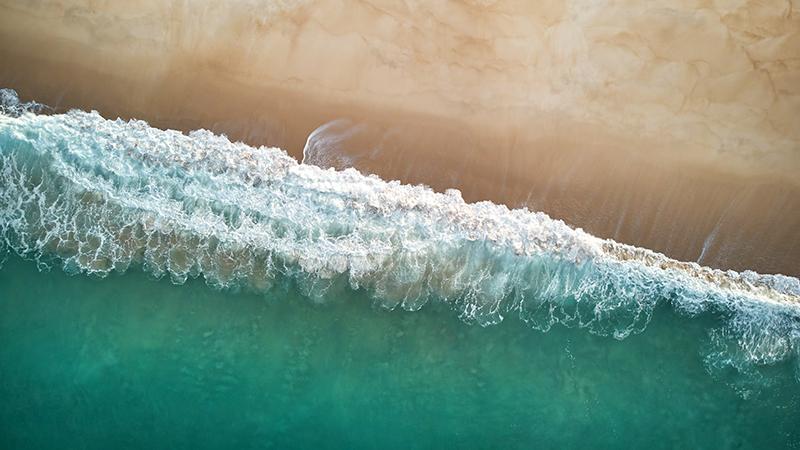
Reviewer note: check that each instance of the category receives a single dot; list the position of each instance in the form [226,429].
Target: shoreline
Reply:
[687,213]
[640,187]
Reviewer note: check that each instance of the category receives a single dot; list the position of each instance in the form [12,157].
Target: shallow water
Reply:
[129,361]
[296,307]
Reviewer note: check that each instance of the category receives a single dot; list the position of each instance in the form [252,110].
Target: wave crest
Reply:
[98,196]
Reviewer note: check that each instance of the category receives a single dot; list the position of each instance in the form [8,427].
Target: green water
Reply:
[132,362]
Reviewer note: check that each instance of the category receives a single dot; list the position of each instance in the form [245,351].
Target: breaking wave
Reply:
[97,196]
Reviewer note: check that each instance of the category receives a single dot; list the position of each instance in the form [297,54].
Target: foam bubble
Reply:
[10,104]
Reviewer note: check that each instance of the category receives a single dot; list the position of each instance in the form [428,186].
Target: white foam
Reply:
[98,196]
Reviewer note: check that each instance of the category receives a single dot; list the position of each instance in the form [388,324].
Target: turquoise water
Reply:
[130,362]
[164,290]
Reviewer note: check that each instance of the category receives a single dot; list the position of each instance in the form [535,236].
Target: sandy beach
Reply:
[602,125]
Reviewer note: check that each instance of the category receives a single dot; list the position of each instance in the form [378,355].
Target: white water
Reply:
[97,196]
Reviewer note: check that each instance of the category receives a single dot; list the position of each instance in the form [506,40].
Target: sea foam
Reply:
[97,196]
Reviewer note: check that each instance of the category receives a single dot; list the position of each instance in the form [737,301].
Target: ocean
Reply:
[162,289]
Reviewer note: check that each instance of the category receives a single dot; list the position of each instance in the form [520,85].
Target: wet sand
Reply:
[737,209]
